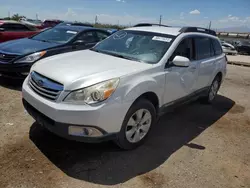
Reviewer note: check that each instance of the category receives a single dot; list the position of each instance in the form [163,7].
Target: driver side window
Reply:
[185,49]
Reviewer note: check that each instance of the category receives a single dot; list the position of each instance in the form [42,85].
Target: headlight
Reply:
[31,58]
[94,94]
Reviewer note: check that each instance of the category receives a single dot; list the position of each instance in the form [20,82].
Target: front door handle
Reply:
[192,69]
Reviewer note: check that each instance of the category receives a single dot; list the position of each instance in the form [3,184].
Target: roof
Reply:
[75,24]
[8,21]
[77,28]
[158,29]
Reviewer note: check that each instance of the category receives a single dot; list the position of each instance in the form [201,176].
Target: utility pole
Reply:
[96,19]
[160,19]
[36,16]
[210,23]
[9,14]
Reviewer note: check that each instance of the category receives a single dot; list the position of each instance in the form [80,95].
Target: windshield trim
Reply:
[146,33]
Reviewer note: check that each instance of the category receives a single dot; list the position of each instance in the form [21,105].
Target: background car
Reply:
[229,48]
[50,23]
[74,24]
[35,23]
[17,56]
[111,30]
[243,47]
[10,30]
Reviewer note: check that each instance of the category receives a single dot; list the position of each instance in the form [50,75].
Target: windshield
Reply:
[58,35]
[245,42]
[136,45]
[34,21]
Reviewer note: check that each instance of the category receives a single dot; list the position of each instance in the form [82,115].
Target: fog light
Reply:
[84,131]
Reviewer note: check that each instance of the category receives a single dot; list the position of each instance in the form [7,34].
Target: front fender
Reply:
[142,85]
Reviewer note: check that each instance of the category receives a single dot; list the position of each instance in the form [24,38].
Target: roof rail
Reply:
[198,30]
[149,24]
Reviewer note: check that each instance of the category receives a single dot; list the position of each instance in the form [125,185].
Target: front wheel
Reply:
[136,125]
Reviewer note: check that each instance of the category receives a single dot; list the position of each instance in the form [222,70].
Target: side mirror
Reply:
[181,61]
[79,42]
[2,29]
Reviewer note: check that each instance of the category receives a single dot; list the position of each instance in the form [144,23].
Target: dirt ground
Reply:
[196,146]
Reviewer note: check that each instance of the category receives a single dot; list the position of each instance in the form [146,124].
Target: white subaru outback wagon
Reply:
[115,90]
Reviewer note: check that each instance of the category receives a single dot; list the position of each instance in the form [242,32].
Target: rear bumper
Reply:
[15,70]
[62,129]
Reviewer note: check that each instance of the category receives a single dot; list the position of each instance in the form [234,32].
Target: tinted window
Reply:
[58,35]
[101,35]
[185,49]
[217,47]
[203,48]
[14,27]
[88,37]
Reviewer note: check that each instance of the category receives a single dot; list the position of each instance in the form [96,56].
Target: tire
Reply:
[213,90]
[134,134]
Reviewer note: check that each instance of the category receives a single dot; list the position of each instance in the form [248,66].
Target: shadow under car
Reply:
[106,164]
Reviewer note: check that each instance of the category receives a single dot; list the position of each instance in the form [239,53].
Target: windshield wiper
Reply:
[95,50]
[115,55]
[41,40]
[124,57]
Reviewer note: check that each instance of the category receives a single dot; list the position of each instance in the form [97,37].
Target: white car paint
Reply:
[229,48]
[76,70]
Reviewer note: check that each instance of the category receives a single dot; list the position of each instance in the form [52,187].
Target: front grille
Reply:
[45,87]
[7,57]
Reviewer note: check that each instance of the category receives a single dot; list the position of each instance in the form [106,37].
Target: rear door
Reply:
[206,60]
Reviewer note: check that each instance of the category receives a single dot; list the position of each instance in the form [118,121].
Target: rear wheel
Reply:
[137,124]
[213,90]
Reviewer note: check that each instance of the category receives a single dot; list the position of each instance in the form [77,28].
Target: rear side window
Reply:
[217,47]
[88,37]
[101,35]
[14,27]
[185,49]
[204,48]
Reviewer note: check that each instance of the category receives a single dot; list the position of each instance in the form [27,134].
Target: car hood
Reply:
[84,68]
[25,46]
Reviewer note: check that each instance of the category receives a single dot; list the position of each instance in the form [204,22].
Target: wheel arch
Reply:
[219,75]
[150,96]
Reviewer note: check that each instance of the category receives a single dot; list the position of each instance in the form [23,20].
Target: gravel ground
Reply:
[195,146]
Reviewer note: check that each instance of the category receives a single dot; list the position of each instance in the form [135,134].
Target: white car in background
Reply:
[116,90]
[229,49]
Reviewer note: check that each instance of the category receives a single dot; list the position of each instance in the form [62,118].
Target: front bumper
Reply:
[62,129]
[14,70]
[107,118]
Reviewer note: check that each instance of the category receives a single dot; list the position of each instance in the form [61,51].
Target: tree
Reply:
[17,17]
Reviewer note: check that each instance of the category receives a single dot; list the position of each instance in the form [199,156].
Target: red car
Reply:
[50,23]
[10,30]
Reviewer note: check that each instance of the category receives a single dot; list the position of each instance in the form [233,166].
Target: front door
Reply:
[180,81]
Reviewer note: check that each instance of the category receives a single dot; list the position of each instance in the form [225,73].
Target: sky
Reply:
[222,13]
